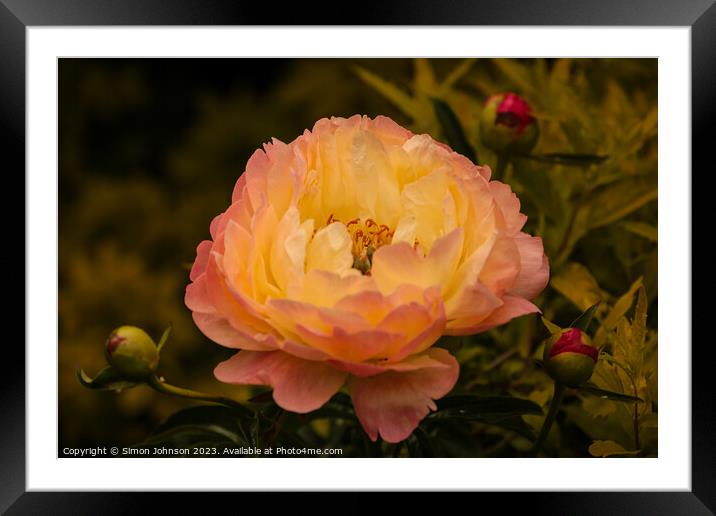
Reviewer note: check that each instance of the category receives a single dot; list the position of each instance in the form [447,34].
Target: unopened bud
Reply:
[569,357]
[132,353]
[507,125]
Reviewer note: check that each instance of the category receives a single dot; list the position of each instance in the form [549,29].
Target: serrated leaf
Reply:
[395,95]
[484,408]
[609,395]
[638,331]
[621,306]
[452,129]
[582,322]
[608,449]
[108,379]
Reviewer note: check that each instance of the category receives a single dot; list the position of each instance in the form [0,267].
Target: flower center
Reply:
[367,236]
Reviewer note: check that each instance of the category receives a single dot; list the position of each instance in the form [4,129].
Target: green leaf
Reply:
[577,284]
[517,425]
[518,74]
[608,449]
[108,379]
[395,95]
[582,322]
[617,200]
[641,229]
[553,328]
[452,129]
[484,408]
[419,445]
[571,160]
[456,74]
[206,423]
[424,76]
[589,388]
[621,306]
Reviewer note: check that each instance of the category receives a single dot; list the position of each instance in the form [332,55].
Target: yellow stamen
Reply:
[367,236]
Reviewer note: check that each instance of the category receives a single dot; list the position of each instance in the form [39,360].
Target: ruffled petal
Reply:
[534,267]
[298,385]
[392,404]
[512,307]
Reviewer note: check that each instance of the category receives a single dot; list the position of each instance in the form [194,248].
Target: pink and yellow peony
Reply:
[346,254]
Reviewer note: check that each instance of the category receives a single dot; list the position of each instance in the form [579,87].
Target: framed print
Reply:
[354,252]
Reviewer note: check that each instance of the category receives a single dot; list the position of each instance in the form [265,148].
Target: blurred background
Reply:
[150,149]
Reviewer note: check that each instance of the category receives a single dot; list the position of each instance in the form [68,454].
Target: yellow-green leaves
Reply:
[420,106]
[390,91]
[642,229]
[608,449]
[577,284]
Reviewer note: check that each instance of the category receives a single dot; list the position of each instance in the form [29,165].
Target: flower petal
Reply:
[222,332]
[298,385]
[511,218]
[534,267]
[330,249]
[393,403]
[202,258]
[502,266]
[512,307]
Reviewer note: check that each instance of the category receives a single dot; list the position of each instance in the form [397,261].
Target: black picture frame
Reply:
[699,15]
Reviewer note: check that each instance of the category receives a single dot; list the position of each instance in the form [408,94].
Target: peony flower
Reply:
[569,357]
[343,258]
[507,124]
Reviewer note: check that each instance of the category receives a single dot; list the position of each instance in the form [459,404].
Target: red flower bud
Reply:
[569,357]
[507,124]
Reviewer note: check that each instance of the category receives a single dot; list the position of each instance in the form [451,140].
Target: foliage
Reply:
[589,189]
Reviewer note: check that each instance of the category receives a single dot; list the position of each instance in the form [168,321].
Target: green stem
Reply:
[173,390]
[549,419]
[500,168]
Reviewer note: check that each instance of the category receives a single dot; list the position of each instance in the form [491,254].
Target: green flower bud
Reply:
[569,357]
[132,353]
[507,125]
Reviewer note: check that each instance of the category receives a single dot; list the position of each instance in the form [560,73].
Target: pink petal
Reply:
[502,266]
[238,188]
[298,385]
[392,404]
[513,307]
[202,258]
[196,297]
[411,363]
[470,307]
[509,207]
[534,267]
[221,331]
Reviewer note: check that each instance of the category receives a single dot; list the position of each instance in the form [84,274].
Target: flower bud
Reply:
[569,357]
[507,125]
[132,353]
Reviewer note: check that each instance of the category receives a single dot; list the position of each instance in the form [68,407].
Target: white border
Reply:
[672,470]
